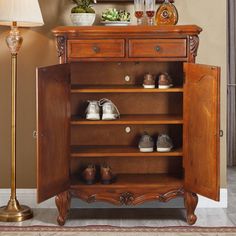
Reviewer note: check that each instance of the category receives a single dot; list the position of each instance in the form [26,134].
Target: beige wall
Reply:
[39,50]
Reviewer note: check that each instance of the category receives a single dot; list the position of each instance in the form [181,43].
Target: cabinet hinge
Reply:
[35,134]
[221,133]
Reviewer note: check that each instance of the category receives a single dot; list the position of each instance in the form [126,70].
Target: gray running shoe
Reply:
[109,109]
[146,143]
[93,111]
[164,143]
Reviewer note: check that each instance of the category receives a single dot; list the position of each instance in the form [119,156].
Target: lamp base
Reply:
[14,212]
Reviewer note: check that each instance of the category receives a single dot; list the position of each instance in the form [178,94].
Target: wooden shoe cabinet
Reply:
[110,62]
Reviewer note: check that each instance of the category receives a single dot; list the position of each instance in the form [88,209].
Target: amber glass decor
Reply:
[166,14]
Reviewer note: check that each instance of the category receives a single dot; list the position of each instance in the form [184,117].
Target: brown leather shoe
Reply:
[89,174]
[107,177]
[149,81]
[164,81]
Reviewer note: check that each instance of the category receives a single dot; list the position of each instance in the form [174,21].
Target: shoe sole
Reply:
[93,117]
[163,149]
[109,117]
[149,86]
[146,149]
[164,86]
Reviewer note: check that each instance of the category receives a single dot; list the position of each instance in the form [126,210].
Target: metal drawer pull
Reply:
[158,48]
[96,49]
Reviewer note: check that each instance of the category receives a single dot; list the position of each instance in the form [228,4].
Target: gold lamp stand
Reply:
[14,212]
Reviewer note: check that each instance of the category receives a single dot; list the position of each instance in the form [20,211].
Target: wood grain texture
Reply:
[201,130]
[124,31]
[120,89]
[131,197]
[117,52]
[157,48]
[131,189]
[96,48]
[131,120]
[53,117]
[118,151]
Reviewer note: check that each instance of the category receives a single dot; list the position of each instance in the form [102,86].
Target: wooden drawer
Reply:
[157,48]
[96,48]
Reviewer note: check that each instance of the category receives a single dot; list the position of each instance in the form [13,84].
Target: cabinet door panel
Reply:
[53,116]
[201,129]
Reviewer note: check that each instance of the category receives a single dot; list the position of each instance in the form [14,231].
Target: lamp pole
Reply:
[14,212]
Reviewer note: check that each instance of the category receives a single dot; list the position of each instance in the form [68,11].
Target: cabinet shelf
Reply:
[131,120]
[121,89]
[124,181]
[119,151]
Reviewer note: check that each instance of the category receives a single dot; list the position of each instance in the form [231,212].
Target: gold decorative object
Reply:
[16,13]
[166,14]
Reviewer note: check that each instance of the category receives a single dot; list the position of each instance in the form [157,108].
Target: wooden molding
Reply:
[126,198]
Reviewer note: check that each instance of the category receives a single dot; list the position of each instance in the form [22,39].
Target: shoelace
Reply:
[102,101]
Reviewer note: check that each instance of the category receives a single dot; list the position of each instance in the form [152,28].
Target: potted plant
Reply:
[83,14]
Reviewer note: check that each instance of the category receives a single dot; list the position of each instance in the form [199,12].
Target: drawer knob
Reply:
[127,129]
[96,49]
[158,48]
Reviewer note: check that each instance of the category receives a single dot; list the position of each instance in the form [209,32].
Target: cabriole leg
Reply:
[63,205]
[190,202]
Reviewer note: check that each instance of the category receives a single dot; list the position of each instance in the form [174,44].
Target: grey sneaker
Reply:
[109,109]
[93,111]
[146,143]
[164,143]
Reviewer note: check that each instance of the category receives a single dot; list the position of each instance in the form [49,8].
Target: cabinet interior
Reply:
[154,111]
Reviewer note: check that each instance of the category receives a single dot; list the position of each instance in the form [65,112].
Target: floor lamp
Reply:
[14,13]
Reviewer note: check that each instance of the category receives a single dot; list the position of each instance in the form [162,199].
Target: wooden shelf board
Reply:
[131,119]
[119,151]
[135,180]
[120,89]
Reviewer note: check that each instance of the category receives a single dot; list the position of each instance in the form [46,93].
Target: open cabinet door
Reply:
[53,117]
[201,129]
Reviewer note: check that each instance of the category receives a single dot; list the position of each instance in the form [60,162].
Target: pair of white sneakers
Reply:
[103,109]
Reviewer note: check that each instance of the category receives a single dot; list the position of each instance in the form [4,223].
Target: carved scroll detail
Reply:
[63,205]
[194,44]
[126,198]
[60,44]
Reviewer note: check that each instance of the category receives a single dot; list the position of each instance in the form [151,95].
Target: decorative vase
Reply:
[82,19]
[166,14]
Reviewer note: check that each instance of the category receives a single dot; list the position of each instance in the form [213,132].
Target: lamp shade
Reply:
[26,13]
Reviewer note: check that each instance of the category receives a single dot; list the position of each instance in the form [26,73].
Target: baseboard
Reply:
[28,197]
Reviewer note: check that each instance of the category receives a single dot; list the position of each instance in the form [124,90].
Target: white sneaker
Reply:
[93,111]
[109,109]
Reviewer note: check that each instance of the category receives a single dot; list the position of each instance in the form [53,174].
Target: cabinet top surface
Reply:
[133,29]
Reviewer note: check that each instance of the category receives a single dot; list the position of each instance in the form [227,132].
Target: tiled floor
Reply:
[143,217]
